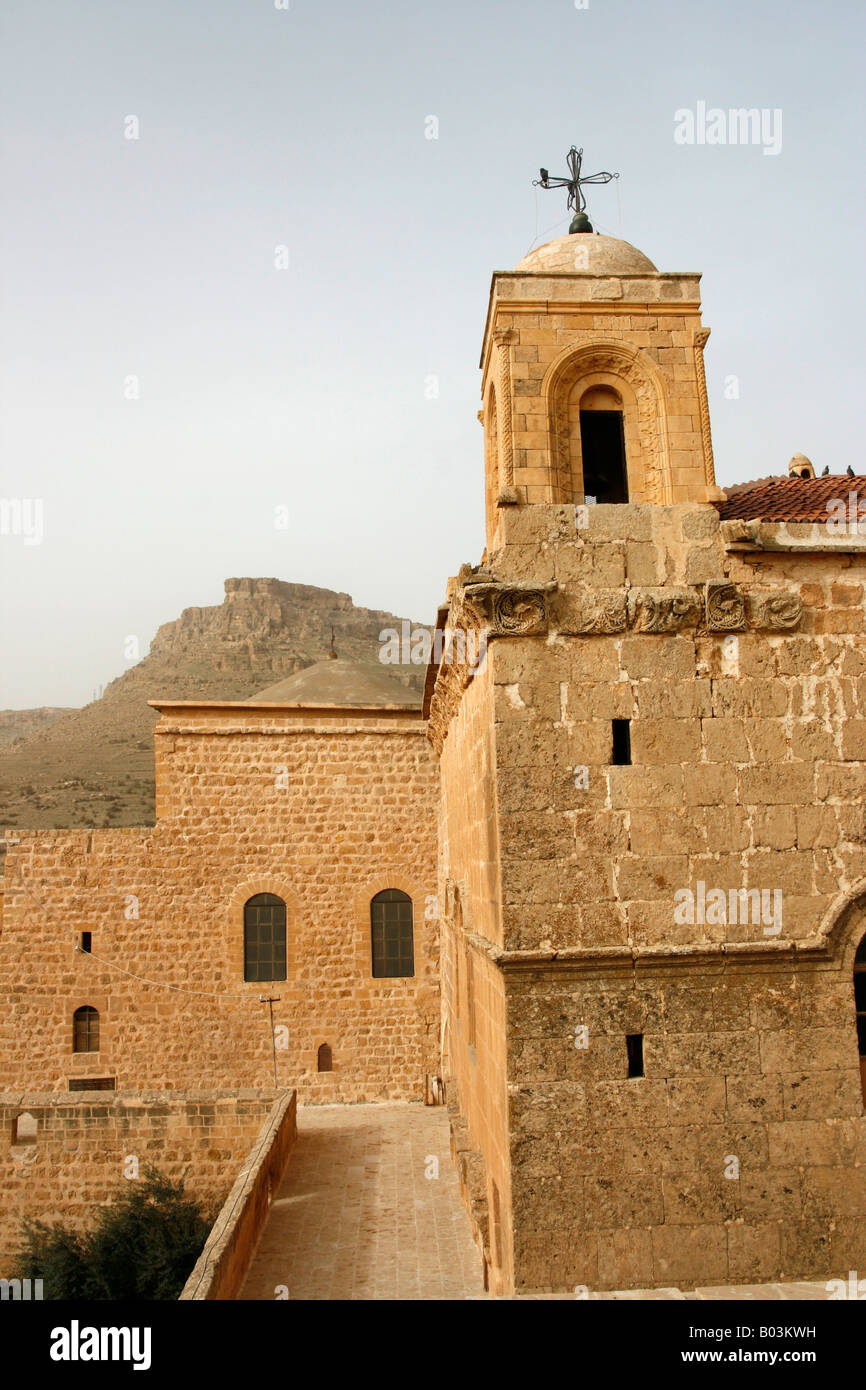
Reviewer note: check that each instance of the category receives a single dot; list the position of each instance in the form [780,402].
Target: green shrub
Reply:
[142,1247]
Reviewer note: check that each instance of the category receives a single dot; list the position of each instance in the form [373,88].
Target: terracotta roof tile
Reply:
[792,499]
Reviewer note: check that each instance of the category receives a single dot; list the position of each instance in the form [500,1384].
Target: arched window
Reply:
[85,1029]
[24,1129]
[324,1058]
[860,1005]
[265,938]
[602,445]
[392,934]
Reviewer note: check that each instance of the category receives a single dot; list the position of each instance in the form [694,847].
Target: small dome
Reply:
[583,251]
[339,681]
[801,467]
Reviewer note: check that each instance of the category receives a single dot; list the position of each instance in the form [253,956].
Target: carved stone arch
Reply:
[639,382]
[844,924]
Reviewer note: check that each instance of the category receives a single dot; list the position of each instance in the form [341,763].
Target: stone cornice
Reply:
[714,607]
[757,536]
[713,958]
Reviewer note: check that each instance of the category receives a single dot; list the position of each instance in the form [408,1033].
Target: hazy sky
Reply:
[308,387]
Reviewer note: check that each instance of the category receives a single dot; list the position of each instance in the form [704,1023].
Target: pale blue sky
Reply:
[306,387]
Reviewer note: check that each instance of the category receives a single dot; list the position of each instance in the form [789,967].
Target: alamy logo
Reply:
[22,1290]
[76,1343]
[417,645]
[715,907]
[22,516]
[846,519]
[739,125]
[854,1288]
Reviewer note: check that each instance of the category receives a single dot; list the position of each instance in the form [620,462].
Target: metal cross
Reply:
[576,199]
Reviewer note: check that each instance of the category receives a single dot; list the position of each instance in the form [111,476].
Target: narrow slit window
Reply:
[86,942]
[324,1058]
[621,741]
[634,1048]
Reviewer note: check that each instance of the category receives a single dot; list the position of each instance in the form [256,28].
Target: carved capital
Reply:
[508,497]
[508,610]
[592,611]
[663,610]
[777,612]
[503,336]
[724,608]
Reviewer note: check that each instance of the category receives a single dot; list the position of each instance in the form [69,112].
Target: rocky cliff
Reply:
[94,766]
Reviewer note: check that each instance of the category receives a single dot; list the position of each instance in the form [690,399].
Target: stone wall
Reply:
[472,990]
[82,1145]
[222,1266]
[323,809]
[744,681]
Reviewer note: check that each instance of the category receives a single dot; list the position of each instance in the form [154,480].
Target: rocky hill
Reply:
[20,723]
[94,766]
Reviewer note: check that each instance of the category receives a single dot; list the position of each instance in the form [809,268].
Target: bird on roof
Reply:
[825,471]
[850,471]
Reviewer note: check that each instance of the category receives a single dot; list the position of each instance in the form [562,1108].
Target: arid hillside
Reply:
[21,723]
[94,766]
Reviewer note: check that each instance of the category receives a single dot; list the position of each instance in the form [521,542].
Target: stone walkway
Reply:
[356,1217]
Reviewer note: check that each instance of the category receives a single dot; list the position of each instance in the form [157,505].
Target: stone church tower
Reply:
[651,833]
[622,842]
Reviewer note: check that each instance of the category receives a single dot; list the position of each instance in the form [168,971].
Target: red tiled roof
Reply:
[792,499]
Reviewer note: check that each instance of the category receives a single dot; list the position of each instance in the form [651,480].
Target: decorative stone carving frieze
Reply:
[663,610]
[778,612]
[724,607]
[508,610]
[592,611]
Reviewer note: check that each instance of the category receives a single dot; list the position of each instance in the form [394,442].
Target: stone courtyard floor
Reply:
[358,1217]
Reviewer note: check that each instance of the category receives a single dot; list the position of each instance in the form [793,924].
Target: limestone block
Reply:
[631,787]
[584,611]
[659,658]
[754,1097]
[625,1259]
[689,1201]
[709,784]
[659,699]
[684,1255]
[786,784]
[821,1095]
[753,1252]
[724,740]
[629,1201]
[666,741]
[694,1101]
